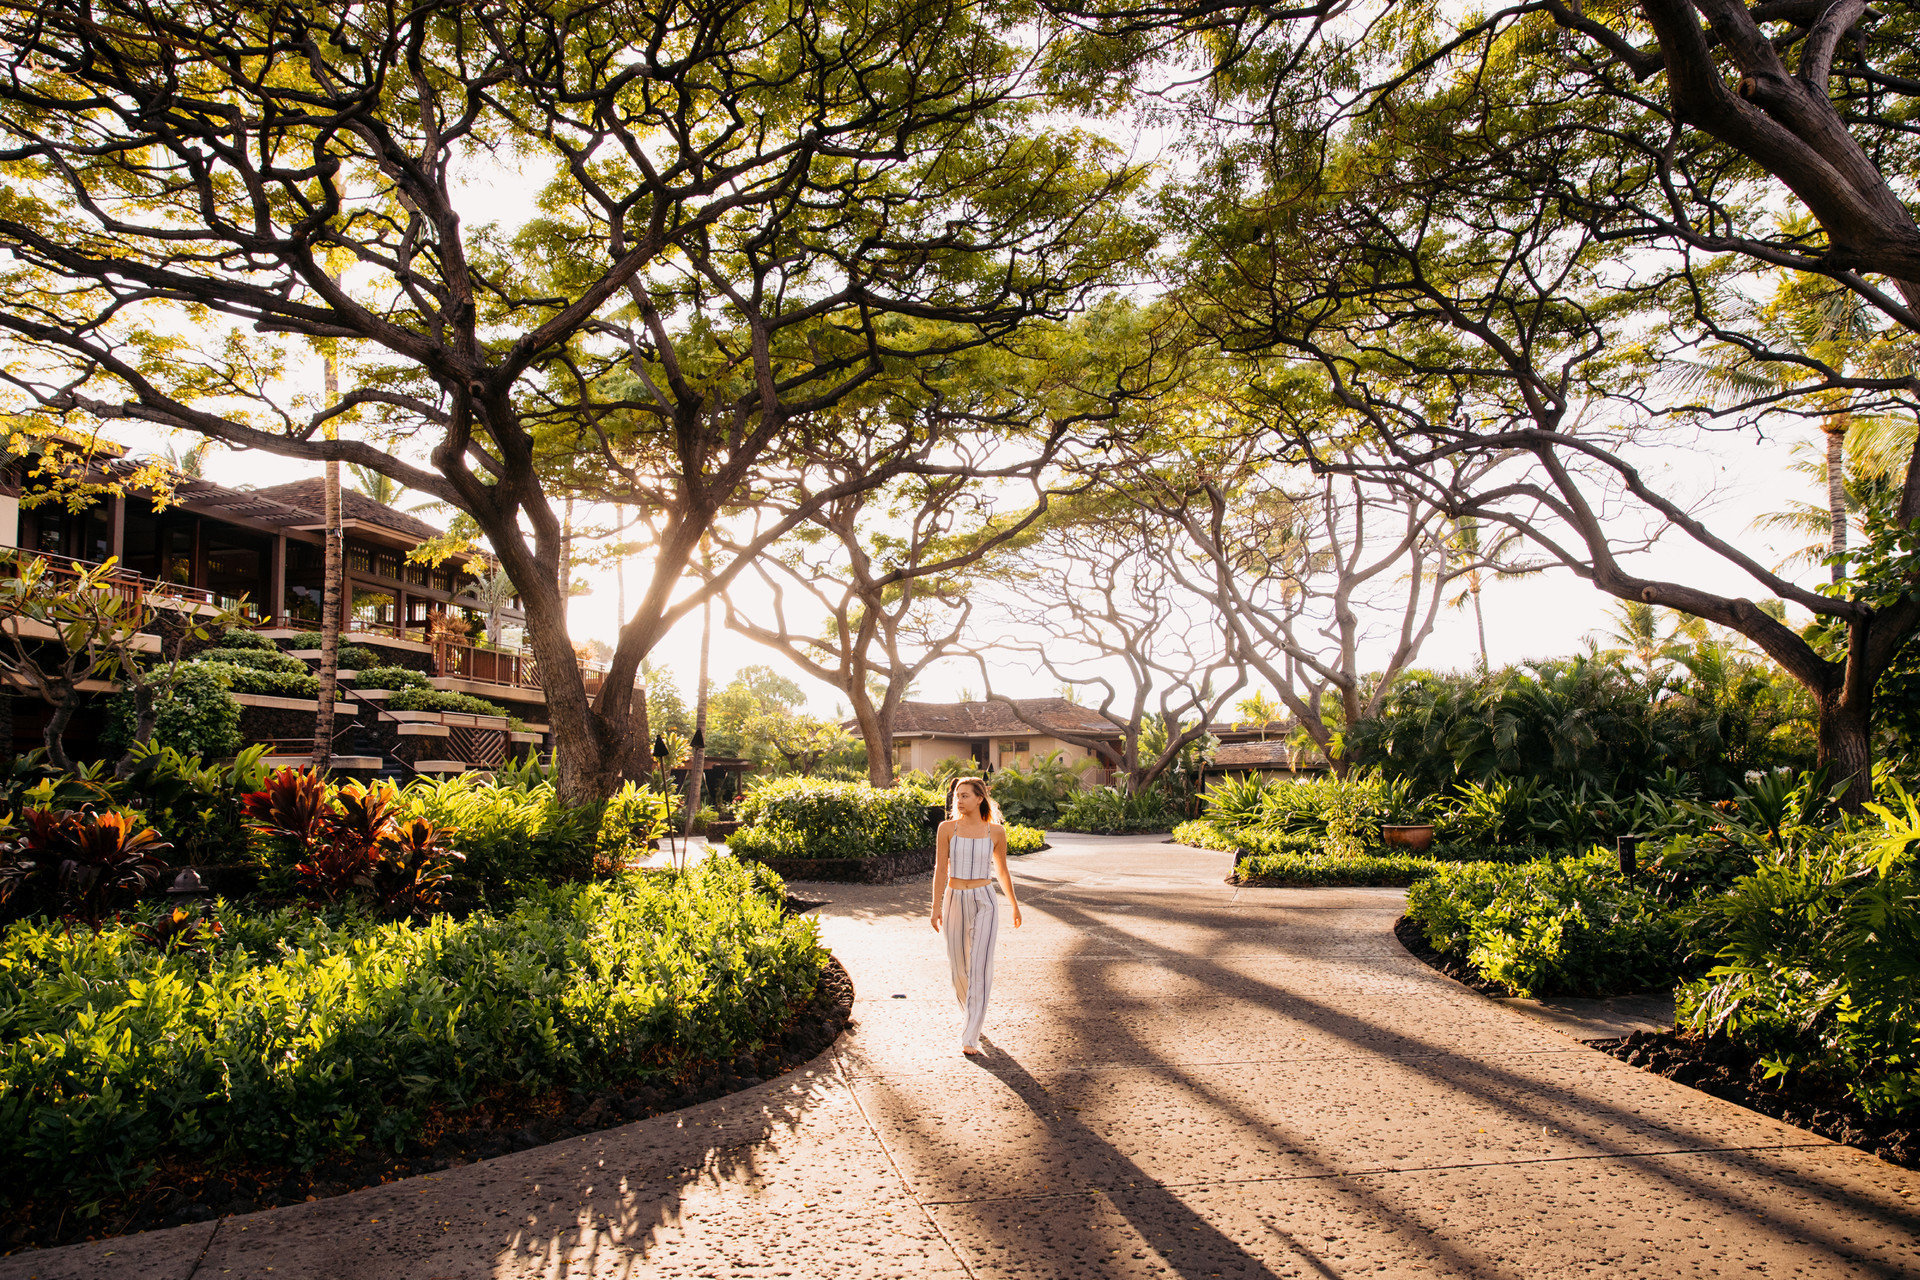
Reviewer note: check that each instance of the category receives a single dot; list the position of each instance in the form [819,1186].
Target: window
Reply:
[359,558]
[417,574]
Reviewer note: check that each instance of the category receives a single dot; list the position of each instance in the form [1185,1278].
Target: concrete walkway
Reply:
[1183,1079]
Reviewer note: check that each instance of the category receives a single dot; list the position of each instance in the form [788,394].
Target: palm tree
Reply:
[192,463]
[335,574]
[1637,635]
[1258,709]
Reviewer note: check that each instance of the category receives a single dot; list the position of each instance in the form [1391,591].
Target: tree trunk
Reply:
[1836,429]
[146,717]
[879,740]
[330,595]
[6,728]
[1846,747]
[1479,620]
[697,758]
[55,734]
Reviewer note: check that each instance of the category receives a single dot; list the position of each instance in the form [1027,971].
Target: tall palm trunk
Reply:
[697,759]
[1479,618]
[1836,429]
[331,593]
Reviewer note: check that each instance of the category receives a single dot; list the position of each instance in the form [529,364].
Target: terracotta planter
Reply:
[1414,837]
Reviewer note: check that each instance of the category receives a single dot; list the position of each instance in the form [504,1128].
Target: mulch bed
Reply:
[1723,1068]
[502,1121]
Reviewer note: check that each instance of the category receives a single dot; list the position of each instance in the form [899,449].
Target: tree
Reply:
[1450,267]
[1638,636]
[1094,602]
[333,585]
[1328,586]
[67,625]
[740,214]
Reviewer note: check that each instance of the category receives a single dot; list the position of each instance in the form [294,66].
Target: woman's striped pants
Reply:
[972,925]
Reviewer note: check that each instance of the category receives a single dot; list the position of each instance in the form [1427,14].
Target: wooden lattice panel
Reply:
[485,747]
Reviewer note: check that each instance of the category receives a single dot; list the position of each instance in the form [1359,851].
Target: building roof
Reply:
[1264,755]
[998,720]
[311,494]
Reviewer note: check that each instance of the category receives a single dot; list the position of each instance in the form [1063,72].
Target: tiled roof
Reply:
[311,494]
[1269,754]
[998,720]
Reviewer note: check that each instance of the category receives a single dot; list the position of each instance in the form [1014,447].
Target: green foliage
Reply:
[198,807]
[242,638]
[1024,839]
[348,657]
[417,699]
[277,684]
[1559,926]
[1035,794]
[515,838]
[1109,810]
[1817,962]
[253,659]
[634,817]
[811,818]
[389,678]
[1306,870]
[89,860]
[292,1035]
[353,840]
[1591,722]
[1343,813]
[196,715]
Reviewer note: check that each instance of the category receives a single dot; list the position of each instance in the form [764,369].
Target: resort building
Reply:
[994,735]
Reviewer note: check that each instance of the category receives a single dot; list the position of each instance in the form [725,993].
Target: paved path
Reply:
[1184,1079]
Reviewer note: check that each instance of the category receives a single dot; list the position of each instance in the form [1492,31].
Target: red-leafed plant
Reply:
[351,841]
[415,866]
[93,856]
[294,803]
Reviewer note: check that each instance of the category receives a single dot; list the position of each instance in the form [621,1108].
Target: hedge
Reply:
[278,684]
[1396,870]
[418,699]
[1022,839]
[197,715]
[389,678]
[254,659]
[812,818]
[289,1035]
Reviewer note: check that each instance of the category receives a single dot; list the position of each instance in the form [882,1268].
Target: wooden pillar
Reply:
[117,526]
[277,583]
[197,573]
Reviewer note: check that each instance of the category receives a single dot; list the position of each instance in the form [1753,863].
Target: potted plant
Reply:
[1405,827]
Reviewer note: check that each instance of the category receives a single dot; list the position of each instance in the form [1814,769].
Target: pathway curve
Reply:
[1183,1079]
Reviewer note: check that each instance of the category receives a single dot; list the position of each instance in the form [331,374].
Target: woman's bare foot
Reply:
[971,1053]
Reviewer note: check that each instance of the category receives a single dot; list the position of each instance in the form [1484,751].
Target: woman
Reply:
[972,848]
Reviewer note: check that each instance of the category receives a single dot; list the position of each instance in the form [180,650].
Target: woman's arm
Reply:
[1006,875]
[940,844]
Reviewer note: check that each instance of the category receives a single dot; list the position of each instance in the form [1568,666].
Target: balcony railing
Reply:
[133,587]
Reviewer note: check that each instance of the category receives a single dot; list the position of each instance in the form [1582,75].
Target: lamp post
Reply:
[660,759]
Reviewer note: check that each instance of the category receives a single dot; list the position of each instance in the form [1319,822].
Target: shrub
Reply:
[277,684]
[198,807]
[1202,834]
[292,1035]
[352,840]
[633,819]
[86,860]
[515,837]
[1035,794]
[254,659]
[417,699]
[1109,810]
[809,818]
[1566,926]
[374,677]
[1313,871]
[350,657]
[197,716]
[241,638]
[1024,839]
[1818,963]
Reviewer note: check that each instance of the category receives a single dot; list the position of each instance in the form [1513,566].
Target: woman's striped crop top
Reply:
[970,858]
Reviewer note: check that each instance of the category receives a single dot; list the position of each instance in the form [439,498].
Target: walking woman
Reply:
[972,849]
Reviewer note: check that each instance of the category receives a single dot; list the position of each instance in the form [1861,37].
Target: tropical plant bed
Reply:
[1414,939]
[501,1121]
[1727,1069]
